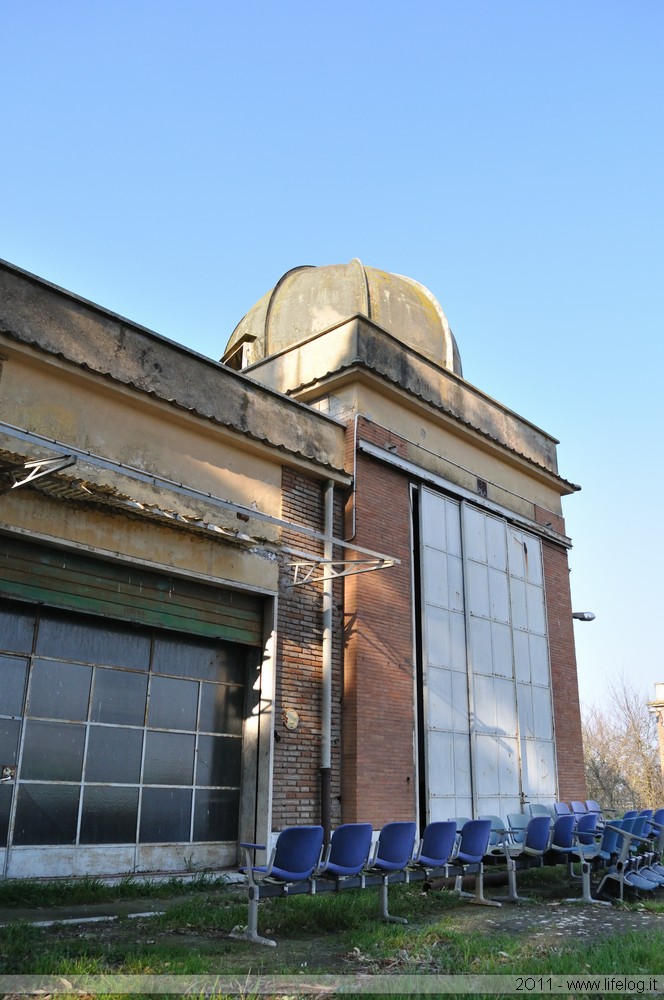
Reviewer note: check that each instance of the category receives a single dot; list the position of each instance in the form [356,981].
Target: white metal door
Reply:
[488,730]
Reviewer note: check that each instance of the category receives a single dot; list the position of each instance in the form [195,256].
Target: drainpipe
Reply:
[326,687]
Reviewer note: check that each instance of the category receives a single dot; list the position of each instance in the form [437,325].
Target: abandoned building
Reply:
[323,579]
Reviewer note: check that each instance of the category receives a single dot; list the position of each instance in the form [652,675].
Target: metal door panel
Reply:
[437,623]
[441,699]
[435,577]
[474,535]
[526,713]
[496,543]
[539,660]
[539,771]
[535,606]
[499,595]
[521,648]
[519,606]
[455,584]
[458,654]
[502,653]
[504,695]
[542,716]
[484,704]
[481,659]
[477,589]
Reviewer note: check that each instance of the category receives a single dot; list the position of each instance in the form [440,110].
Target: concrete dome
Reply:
[309,300]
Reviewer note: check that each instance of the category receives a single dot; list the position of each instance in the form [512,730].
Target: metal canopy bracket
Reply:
[334,569]
[29,472]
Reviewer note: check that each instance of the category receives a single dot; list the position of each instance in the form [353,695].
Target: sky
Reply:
[171,160]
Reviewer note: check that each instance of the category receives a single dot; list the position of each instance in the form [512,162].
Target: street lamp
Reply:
[583,616]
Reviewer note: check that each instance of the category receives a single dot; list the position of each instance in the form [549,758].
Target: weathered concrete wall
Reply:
[310,365]
[438,445]
[86,412]
[55,321]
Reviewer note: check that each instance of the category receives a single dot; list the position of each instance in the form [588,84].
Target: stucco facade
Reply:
[258,539]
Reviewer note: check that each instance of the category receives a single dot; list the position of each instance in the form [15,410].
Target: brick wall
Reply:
[564,683]
[297,753]
[378,780]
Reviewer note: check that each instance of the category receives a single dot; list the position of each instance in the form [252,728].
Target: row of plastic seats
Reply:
[350,860]
[577,808]
[631,852]
[530,838]
[628,851]
[622,849]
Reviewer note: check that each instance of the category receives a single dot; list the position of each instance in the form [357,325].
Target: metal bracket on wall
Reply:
[334,569]
[23,475]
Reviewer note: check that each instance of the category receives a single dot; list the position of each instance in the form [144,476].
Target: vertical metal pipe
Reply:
[326,686]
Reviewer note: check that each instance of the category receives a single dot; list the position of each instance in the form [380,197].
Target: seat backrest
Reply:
[629,814]
[585,828]
[609,845]
[647,813]
[563,831]
[474,840]
[537,833]
[298,850]
[518,823]
[593,807]
[562,809]
[350,845]
[640,827]
[657,829]
[460,821]
[631,824]
[438,841]
[498,827]
[578,808]
[396,842]
[537,809]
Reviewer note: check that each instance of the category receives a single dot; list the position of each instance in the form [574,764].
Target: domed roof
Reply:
[308,300]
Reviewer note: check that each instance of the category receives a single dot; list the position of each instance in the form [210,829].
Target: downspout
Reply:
[326,687]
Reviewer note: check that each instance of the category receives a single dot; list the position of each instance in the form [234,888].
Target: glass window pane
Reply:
[9,733]
[222,709]
[53,751]
[169,759]
[216,814]
[12,684]
[119,697]
[114,755]
[173,703]
[17,627]
[59,690]
[5,806]
[219,760]
[165,815]
[46,814]
[109,815]
[206,661]
[94,640]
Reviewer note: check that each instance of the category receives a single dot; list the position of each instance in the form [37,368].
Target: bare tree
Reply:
[620,751]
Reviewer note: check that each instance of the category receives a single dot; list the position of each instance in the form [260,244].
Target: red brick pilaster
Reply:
[378,750]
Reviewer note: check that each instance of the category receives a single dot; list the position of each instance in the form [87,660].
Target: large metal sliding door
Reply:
[488,724]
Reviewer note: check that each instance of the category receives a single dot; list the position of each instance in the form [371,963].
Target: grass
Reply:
[333,933]
[70,892]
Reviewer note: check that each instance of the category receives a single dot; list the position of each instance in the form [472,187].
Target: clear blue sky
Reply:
[172,160]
